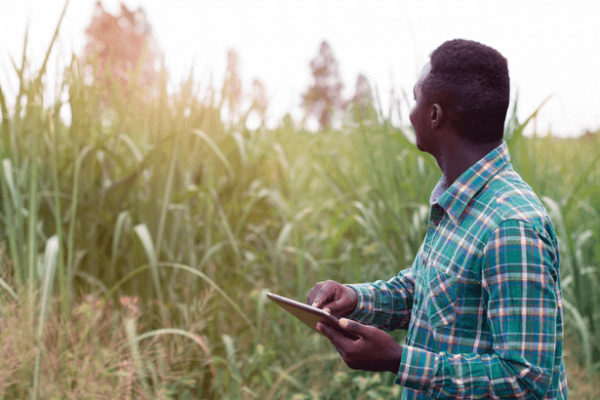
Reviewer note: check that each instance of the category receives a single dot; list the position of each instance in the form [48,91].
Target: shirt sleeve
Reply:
[520,291]
[386,304]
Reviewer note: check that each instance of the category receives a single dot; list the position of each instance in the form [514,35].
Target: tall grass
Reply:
[141,237]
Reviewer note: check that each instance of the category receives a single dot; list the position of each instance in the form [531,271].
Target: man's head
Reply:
[470,82]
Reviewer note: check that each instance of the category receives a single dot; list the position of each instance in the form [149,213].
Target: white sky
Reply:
[553,47]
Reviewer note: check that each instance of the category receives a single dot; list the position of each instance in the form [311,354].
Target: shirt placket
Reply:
[435,217]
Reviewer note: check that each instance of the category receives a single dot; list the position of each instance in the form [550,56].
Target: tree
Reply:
[324,98]
[121,43]
[259,97]
[363,108]
[231,93]
[256,113]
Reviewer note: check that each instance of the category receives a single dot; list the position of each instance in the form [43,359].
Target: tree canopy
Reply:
[323,99]
[120,44]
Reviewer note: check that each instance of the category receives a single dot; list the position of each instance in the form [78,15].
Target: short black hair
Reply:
[470,81]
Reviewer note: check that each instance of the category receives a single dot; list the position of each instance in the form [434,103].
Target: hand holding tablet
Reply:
[307,314]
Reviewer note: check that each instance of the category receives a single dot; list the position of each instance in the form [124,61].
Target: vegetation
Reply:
[323,99]
[117,43]
[139,240]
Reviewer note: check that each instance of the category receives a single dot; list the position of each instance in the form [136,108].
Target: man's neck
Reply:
[458,155]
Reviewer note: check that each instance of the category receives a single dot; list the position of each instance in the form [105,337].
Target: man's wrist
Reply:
[395,362]
[353,295]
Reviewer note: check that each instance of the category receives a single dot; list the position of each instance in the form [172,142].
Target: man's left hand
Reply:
[372,350]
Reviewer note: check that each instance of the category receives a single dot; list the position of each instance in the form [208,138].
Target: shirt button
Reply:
[436,222]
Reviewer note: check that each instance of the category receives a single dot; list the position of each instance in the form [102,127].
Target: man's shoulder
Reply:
[508,202]
[507,196]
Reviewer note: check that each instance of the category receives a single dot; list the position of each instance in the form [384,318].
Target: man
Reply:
[482,300]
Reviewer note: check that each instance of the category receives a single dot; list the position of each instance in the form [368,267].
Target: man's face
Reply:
[419,115]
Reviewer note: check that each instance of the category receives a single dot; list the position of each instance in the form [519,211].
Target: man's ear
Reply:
[436,115]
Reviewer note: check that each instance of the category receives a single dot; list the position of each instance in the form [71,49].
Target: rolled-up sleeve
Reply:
[386,304]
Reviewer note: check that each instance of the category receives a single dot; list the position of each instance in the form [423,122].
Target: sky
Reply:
[552,47]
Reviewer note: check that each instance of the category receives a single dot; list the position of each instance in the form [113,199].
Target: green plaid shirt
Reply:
[482,301]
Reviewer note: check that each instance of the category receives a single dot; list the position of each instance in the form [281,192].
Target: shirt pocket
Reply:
[442,290]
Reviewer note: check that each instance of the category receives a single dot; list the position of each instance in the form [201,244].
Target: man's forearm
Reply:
[386,304]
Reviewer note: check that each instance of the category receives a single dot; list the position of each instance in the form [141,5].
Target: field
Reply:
[139,240]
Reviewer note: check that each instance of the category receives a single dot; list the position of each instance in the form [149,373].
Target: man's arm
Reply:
[519,281]
[386,304]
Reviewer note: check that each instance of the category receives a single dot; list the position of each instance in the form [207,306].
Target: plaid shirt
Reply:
[482,301]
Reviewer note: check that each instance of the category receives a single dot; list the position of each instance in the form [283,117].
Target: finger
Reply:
[323,296]
[338,340]
[331,322]
[320,296]
[338,307]
[313,293]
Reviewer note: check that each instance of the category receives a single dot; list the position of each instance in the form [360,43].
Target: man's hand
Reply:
[333,297]
[373,350]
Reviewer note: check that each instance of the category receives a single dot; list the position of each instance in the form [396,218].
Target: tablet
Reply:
[307,314]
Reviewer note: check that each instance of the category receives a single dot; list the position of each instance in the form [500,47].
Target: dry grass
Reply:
[578,376]
[88,356]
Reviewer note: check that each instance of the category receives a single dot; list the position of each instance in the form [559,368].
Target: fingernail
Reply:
[318,326]
[344,322]
[327,310]
[314,304]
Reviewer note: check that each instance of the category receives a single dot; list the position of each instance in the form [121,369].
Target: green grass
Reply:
[139,241]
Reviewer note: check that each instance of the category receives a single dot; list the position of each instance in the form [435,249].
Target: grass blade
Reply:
[143,234]
[123,220]
[48,270]
[130,330]
[12,214]
[47,57]
[8,289]
[216,150]
[32,242]
[166,196]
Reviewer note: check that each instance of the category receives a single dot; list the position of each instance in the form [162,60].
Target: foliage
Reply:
[117,45]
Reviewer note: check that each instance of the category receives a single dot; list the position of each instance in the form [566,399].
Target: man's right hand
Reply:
[333,297]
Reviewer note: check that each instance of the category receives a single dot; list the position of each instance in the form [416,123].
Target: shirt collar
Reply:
[454,199]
